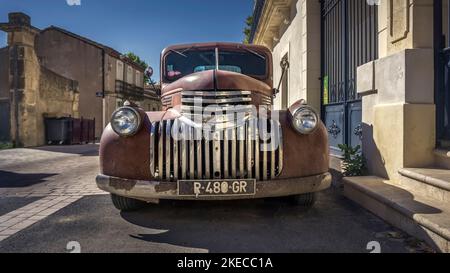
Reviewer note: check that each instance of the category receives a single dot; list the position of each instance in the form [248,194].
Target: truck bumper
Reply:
[155,190]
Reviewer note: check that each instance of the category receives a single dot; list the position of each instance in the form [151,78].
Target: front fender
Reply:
[125,157]
[303,155]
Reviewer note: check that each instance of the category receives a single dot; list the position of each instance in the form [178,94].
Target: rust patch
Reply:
[119,184]
[164,187]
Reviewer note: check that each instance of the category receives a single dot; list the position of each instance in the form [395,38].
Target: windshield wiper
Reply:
[179,53]
[255,53]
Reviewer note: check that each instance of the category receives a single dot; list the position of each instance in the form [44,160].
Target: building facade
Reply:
[101,79]
[30,92]
[377,72]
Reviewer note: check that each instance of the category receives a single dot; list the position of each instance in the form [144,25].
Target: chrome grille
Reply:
[220,98]
[166,101]
[266,100]
[224,155]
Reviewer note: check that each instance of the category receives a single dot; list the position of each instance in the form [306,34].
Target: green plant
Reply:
[354,163]
[6,145]
[248,29]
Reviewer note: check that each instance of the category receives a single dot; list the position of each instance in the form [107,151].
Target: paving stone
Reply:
[11,222]
[5,218]
[8,232]
[23,224]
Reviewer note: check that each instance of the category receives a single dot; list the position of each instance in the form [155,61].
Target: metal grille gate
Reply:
[442,71]
[349,39]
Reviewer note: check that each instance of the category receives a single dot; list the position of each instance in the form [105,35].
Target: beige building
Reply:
[57,73]
[376,71]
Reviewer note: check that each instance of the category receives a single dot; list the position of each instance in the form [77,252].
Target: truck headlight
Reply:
[126,121]
[305,119]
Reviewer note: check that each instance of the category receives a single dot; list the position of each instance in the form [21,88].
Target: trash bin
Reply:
[58,131]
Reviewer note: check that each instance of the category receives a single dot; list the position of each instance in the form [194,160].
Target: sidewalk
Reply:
[50,170]
[61,175]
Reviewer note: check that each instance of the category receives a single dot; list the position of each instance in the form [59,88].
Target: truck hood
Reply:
[217,80]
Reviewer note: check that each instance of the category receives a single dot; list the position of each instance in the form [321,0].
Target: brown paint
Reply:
[303,155]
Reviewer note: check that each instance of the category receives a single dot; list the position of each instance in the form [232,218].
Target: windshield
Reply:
[182,63]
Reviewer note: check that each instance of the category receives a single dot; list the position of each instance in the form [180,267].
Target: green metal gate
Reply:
[349,39]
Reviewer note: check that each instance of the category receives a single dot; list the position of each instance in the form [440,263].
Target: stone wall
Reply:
[25,125]
[289,44]
[75,59]
[33,91]
[398,90]
[405,24]
[111,74]
[58,97]
[292,28]
[41,93]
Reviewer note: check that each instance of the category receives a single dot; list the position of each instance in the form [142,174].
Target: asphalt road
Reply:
[335,224]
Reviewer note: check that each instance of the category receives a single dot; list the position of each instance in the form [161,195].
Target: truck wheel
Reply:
[305,200]
[126,204]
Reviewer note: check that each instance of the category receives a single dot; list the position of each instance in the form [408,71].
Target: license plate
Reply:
[218,188]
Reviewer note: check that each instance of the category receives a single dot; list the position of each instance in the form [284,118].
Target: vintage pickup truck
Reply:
[217,136]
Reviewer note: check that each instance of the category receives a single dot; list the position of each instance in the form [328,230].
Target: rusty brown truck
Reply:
[217,136]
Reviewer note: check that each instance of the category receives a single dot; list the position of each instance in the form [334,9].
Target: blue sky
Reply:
[144,27]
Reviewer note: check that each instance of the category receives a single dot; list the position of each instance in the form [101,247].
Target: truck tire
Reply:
[306,200]
[126,204]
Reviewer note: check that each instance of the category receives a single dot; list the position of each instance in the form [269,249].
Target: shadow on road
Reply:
[21,180]
[83,150]
[272,226]
[217,226]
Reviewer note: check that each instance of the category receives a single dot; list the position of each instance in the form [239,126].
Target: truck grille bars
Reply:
[216,98]
[252,150]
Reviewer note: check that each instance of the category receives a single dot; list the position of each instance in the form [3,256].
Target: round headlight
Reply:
[126,121]
[305,120]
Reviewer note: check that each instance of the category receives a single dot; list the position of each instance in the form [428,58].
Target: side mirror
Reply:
[284,64]
[149,72]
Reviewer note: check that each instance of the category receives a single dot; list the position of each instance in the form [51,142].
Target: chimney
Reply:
[19,19]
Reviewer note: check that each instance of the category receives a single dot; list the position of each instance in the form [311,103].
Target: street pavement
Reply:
[49,203]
